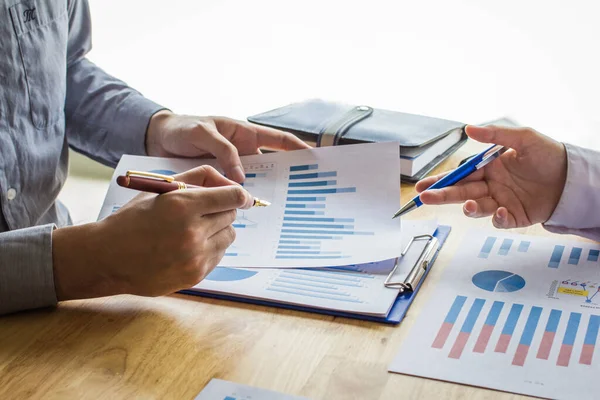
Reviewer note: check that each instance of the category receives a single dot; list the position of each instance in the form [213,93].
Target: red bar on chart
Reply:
[459,345]
[546,345]
[567,345]
[483,339]
[527,336]
[549,333]
[587,353]
[564,355]
[520,355]
[509,328]
[589,343]
[448,324]
[488,327]
[466,329]
[503,343]
[442,335]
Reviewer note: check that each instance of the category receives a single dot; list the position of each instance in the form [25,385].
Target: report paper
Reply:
[513,313]
[357,288]
[331,206]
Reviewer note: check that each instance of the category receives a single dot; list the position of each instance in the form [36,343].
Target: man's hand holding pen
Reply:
[154,245]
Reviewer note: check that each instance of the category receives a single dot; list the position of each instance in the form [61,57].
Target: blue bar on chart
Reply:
[303,212]
[310,219]
[300,257]
[313,175]
[487,247]
[527,336]
[292,247]
[505,247]
[317,284]
[556,256]
[524,246]
[448,324]
[589,343]
[319,232]
[296,251]
[549,333]
[593,255]
[319,237]
[324,191]
[566,349]
[292,205]
[509,328]
[317,226]
[305,199]
[488,327]
[256,175]
[303,167]
[312,183]
[318,242]
[575,255]
[466,329]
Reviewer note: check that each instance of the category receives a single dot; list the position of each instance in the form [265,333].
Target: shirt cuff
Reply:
[134,118]
[26,271]
[577,209]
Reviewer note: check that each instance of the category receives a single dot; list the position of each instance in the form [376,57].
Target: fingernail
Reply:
[499,218]
[238,174]
[467,211]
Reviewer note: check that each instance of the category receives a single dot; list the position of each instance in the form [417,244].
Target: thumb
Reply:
[514,138]
[226,154]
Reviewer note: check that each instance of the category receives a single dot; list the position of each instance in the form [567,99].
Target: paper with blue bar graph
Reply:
[513,313]
[355,288]
[330,206]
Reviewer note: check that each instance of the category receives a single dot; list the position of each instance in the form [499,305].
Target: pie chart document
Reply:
[514,313]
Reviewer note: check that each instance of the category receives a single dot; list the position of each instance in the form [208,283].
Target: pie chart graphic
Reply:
[224,274]
[498,281]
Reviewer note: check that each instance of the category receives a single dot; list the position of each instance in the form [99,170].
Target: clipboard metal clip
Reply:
[417,272]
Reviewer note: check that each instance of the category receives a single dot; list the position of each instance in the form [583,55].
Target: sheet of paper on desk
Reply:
[218,389]
[331,206]
[513,313]
[354,288]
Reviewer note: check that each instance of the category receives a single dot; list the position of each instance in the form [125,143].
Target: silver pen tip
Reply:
[408,207]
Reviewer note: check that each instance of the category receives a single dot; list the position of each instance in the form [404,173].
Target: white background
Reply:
[468,60]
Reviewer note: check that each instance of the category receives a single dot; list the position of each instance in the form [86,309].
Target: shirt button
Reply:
[11,194]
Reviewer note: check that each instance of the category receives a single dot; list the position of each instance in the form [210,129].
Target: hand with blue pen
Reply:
[519,181]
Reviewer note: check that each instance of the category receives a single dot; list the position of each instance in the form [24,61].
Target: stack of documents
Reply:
[327,241]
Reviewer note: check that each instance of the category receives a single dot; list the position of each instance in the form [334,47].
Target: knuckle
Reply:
[238,195]
[230,235]
[189,237]
[176,203]
[231,215]
[529,132]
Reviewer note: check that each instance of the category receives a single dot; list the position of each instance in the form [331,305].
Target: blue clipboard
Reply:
[395,316]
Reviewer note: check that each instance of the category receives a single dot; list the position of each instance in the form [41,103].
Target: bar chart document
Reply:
[513,313]
[355,288]
[331,206]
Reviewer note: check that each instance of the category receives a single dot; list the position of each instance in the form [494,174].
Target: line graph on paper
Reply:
[581,291]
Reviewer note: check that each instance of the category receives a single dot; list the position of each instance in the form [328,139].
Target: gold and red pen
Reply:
[158,183]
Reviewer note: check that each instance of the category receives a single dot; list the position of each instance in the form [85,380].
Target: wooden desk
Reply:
[170,347]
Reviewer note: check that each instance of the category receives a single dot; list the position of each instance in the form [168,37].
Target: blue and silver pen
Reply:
[477,162]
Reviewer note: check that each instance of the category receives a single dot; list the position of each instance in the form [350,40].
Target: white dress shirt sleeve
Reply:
[578,210]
